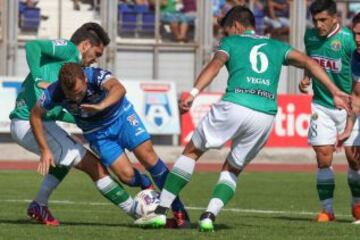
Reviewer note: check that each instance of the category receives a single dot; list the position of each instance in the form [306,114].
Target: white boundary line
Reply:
[236,210]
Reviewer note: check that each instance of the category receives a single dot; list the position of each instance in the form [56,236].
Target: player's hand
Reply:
[304,85]
[43,85]
[341,138]
[342,101]
[92,107]
[185,103]
[46,160]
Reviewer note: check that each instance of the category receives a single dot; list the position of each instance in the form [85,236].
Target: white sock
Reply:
[48,185]
[107,184]
[183,169]
[215,205]
[185,164]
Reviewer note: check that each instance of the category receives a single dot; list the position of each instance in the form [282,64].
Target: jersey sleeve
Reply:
[285,50]
[225,46]
[58,49]
[45,101]
[100,77]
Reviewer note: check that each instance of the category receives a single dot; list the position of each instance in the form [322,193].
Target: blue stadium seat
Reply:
[30,19]
[135,20]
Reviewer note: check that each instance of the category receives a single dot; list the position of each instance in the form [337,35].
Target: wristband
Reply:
[194,92]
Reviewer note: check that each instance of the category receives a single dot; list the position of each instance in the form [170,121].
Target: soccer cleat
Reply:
[356,212]
[180,220]
[41,214]
[152,220]
[325,217]
[206,222]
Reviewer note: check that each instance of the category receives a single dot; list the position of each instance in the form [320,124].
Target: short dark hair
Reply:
[239,14]
[68,75]
[91,31]
[356,19]
[319,6]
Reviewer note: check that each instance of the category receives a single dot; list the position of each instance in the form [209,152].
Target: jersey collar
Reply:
[249,32]
[336,30]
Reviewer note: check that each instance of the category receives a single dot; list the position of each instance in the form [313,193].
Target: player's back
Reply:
[254,66]
[49,69]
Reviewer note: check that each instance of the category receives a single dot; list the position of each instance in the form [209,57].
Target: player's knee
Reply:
[126,175]
[91,165]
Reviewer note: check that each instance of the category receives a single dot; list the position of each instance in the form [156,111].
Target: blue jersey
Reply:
[355,66]
[87,121]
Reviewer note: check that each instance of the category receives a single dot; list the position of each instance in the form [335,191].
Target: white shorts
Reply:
[66,151]
[326,124]
[248,129]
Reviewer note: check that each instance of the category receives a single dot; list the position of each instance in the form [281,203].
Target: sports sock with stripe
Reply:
[325,184]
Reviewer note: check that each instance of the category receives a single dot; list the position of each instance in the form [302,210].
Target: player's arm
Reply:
[115,91]
[305,83]
[35,50]
[300,60]
[46,158]
[206,76]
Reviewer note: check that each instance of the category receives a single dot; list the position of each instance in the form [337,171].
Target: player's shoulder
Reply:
[54,91]
[311,35]
[95,74]
[63,43]
[345,31]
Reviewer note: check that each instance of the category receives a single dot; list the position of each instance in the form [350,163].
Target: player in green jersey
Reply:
[331,46]
[352,125]
[45,59]
[244,115]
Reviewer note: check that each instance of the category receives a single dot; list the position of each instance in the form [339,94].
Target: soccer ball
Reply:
[145,202]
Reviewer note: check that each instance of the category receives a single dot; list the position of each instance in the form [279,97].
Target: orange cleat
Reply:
[356,211]
[325,217]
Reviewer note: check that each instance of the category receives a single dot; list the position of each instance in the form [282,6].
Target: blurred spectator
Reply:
[278,17]
[31,3]
[76,5]
[179,23]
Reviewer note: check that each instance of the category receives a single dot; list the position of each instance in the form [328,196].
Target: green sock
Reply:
[59,172]
[325,190]
[115,193]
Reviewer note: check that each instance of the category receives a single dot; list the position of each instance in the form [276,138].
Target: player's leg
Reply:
[159,171]
[107,186]
[249,140]
[352,151]
[322,137]
[112,155]
[353,157]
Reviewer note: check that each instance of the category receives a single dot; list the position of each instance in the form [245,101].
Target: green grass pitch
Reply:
[266,206]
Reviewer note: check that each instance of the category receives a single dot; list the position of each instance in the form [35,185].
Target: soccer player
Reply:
[352,127]
[245,114]
[45,58]
[109,123]
[331,46]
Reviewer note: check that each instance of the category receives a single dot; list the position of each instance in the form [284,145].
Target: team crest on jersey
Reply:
[336,45]
[157,105]
[133,120]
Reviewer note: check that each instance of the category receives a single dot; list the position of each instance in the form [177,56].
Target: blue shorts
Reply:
[127,132]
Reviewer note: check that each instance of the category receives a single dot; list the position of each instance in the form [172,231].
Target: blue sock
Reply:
[159,173]
[140,180]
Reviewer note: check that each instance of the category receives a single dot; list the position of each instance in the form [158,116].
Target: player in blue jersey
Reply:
[109,123]
[352,125]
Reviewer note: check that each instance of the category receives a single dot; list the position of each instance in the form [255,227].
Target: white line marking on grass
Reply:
[236,210]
